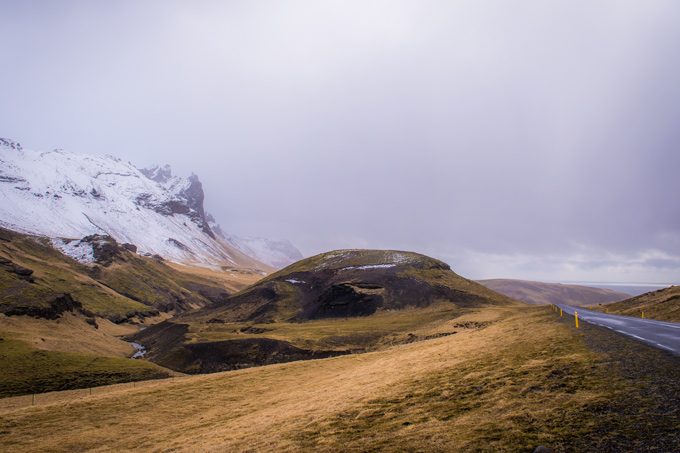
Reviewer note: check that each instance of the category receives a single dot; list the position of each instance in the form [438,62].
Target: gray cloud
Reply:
[540,137]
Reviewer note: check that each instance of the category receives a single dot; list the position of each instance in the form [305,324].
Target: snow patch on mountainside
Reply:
[80,251]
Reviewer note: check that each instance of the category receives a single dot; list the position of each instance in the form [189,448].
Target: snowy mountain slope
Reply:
[276,253]
[65,195]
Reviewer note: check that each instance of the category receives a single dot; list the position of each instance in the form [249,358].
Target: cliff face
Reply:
[65,195]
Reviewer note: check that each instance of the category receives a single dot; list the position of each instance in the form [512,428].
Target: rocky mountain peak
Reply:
[10,144]
[69,196]
[187,196]
[160,174]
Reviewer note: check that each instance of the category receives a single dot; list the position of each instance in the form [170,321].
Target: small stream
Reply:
[140,350]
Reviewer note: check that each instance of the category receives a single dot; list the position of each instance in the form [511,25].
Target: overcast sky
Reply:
[530,139]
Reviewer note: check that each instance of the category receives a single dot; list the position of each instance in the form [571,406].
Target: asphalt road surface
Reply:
[660,334]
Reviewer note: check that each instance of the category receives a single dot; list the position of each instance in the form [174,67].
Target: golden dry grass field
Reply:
[514,379]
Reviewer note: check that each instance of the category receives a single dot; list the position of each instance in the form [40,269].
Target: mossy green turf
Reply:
[25,370]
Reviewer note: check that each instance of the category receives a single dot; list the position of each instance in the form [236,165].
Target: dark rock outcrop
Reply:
[23,273]
[60,304]
[187,201]
[129,247]
[346,299]
[11,144]
[105,249]
[166,345]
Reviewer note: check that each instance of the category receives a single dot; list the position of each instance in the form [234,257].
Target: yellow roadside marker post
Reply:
[643,314]
[560,312]
[576,318]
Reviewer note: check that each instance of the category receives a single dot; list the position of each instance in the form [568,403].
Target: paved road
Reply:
[660,334]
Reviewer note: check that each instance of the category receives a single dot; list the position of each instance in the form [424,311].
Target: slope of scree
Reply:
[333,303]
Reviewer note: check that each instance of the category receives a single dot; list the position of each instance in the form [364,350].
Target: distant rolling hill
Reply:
[539,293]
[663,304]
[334,303]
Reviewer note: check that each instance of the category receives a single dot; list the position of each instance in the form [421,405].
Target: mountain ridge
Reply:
[542,293]
[59,194]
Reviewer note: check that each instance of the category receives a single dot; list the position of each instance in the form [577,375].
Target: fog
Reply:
[526,139]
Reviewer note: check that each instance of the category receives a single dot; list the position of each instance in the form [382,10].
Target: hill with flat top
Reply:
[331,304]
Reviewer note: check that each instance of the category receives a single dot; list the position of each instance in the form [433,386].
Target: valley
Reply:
[523,379]
[347,226]
[62,322]
[155,330]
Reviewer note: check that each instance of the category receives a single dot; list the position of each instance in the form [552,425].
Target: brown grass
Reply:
[384,327]
[522,380]
[70,333]
[663,304]
[232,279]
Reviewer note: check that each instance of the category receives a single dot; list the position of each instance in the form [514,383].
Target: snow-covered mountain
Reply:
[66,195]
[275,253]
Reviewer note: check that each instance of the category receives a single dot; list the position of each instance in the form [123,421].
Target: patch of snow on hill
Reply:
[369,266]
[80,251]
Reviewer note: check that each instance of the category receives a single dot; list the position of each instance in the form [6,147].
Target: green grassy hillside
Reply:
[33,274]
[30,370]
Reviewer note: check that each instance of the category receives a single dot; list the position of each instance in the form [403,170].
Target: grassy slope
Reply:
[357,333]
[525,379]
[540,293]
[54,274]
[131,284]
[69,352]
[33,370]
[323,268]
[663,305]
